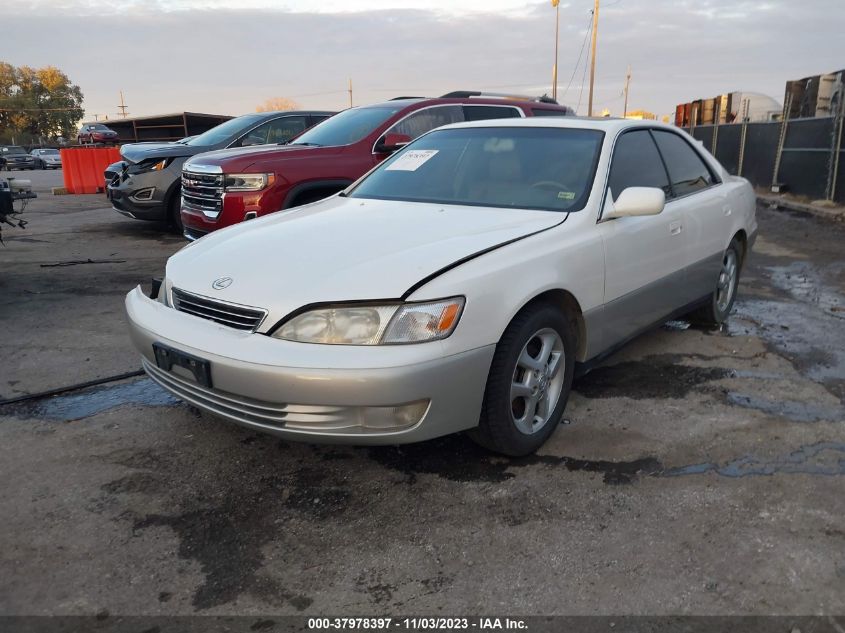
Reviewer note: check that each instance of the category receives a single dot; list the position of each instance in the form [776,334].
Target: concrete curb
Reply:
[819,210]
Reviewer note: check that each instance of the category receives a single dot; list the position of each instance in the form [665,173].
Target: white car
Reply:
[47,158]
[454,287]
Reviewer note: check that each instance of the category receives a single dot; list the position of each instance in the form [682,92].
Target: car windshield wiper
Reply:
[304,144]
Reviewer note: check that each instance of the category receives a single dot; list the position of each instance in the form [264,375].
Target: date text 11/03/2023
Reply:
[418,624]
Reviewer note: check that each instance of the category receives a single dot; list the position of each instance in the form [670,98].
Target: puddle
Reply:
[457,458]
[652,378]
[796,411]
[823,458]
[83,404]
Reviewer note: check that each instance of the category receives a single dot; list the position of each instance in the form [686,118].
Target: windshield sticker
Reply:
[411,161]
[566,195]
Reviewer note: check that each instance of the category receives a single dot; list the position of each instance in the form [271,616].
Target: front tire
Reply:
[529,382]
[174,213]
[721,301]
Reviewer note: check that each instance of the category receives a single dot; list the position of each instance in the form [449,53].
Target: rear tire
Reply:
[721,301]
[529,382]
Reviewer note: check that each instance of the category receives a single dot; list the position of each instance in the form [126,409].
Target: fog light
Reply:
[143,195]
[399,417]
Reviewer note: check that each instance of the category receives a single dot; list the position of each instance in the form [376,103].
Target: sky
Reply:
[227,57]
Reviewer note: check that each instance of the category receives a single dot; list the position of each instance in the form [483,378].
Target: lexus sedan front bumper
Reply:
[367,395]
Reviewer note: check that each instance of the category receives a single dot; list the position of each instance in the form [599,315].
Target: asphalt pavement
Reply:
[697,471]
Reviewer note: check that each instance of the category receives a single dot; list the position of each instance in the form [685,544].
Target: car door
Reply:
[644,255]
[697,194]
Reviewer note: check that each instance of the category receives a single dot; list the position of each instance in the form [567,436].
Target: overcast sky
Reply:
[227,57]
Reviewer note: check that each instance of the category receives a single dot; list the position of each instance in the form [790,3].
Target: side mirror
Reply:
[635,201]
[391,142]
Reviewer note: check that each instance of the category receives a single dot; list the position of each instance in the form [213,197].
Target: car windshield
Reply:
[226,130]
[48,152]
[549,169]
[98,126]
[13,149]
[350,126]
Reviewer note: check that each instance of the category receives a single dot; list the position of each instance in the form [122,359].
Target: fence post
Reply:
[715,142]
[742,147]
[787,106]
[835,148]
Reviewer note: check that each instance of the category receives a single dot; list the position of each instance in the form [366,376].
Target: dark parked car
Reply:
[47,158]
[15,157]
[91,133]
[146,184]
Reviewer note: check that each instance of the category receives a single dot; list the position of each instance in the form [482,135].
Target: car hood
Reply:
[137,152]
[343,249]
[238,159]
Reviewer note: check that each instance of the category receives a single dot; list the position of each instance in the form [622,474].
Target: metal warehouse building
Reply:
[164,127]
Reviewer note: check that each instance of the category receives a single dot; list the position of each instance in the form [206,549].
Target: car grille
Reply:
[235,316]
[203,193]
[256,412]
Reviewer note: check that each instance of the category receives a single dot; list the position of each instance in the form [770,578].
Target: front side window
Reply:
[276,131]
[636,163]
[548,169]
[686,168]
[427,119]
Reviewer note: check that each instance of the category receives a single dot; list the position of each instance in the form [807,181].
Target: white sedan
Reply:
[455,287]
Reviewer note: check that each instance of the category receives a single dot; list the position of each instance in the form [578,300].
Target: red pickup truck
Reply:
[225,187]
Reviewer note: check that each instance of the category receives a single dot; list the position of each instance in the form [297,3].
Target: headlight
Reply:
[375,325]
[146,166]
[248,182]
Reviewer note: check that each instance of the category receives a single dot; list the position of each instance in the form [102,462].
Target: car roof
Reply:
[605,124]
[409,101]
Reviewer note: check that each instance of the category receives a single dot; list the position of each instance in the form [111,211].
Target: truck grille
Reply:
[235,316]
[203,193]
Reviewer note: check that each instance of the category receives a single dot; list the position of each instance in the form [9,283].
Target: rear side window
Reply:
[686,168]
[636,163]
[483,112]
[544,112]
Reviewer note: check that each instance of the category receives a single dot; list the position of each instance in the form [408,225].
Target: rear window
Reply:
[548,169]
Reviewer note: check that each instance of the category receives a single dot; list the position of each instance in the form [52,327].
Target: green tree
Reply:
[38,102]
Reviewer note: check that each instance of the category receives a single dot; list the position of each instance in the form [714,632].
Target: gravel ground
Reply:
[699,472]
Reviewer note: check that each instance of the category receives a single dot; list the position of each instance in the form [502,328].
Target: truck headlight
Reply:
[247,182]
[394,324]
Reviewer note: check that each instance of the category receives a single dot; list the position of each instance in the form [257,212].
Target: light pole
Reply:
[556,5]
[593,55]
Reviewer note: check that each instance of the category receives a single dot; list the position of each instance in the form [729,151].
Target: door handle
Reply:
[675,228]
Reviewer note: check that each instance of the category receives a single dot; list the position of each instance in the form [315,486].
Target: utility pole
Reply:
[627,83]
[122,107]
[593,55]
[350,92]
[556,5]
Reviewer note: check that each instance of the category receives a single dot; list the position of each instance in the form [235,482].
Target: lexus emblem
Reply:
[222,283]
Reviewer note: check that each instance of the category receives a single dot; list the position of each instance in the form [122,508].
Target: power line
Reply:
[580,54]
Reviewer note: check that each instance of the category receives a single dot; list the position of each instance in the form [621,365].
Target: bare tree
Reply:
[277,104]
